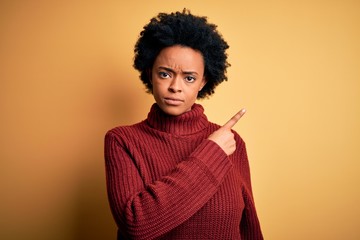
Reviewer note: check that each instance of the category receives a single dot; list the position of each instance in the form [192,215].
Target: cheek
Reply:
[192,93]
[158,87]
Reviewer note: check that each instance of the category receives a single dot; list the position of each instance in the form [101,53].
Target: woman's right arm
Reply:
[148,211]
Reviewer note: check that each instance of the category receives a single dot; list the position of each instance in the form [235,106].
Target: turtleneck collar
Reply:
[187,123]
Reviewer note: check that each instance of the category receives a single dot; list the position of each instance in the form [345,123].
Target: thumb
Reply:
[231,123]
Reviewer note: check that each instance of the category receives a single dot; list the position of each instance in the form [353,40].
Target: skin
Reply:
[224,137]
[177,76]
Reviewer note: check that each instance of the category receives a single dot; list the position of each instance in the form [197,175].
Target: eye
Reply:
[164,75]
[190,79]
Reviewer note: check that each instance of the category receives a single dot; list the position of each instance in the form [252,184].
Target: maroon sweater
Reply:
[166,180]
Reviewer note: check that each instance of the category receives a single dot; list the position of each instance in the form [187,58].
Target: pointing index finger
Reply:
[231,123]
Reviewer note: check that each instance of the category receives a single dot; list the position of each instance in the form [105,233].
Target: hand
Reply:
[224,137]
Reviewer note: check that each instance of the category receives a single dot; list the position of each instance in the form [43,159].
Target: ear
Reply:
[203,83]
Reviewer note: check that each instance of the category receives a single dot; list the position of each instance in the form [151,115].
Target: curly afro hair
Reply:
[185,29]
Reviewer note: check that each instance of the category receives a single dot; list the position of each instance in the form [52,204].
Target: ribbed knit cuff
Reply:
[209,156]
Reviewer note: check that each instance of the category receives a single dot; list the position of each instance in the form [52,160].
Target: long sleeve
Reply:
[148,210]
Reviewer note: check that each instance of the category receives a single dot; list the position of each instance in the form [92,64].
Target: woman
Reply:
[176,175]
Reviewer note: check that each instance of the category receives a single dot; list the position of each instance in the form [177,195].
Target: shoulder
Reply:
[238,138]
[123,133]
[213,126]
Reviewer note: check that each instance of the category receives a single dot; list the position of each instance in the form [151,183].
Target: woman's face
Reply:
[177,76]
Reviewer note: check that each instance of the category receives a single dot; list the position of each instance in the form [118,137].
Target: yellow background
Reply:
[66,77]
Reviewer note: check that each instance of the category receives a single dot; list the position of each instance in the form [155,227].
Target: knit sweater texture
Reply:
[166,180]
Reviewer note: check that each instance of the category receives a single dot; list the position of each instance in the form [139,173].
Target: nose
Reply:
[175,85]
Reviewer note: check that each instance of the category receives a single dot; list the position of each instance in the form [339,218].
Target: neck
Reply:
[187,123]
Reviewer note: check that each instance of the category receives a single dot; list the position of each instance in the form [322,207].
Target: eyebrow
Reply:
[173,71]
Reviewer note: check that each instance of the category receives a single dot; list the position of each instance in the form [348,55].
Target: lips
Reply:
[173,101]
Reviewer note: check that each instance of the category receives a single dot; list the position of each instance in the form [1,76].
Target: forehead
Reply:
[180,57]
